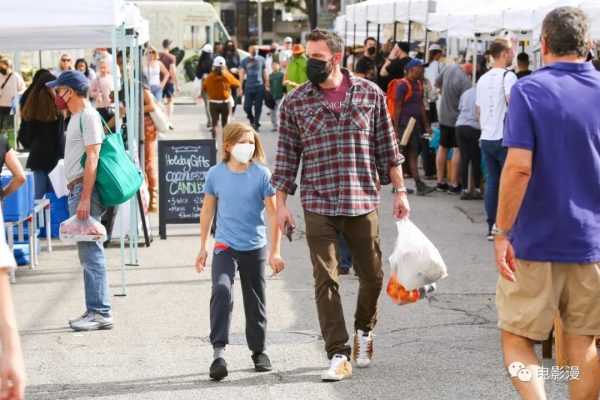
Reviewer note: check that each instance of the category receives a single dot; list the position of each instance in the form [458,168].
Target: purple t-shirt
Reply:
[553,113]
[413,106]
[335,97]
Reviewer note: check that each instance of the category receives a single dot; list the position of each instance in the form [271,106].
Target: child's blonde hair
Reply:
[233,132]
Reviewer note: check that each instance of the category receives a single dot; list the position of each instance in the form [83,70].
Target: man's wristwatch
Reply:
[401,189]
[499,232]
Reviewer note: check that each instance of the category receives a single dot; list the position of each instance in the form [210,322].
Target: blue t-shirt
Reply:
[240,204]
[254,69]
[553,113]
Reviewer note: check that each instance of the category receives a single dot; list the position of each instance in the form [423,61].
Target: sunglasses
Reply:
[65,60]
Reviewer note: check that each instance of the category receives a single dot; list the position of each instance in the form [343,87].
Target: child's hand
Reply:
[12,377]
[277,264]
[201,260]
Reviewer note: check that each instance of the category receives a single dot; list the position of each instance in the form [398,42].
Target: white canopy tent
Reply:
[464,19]
[35,25]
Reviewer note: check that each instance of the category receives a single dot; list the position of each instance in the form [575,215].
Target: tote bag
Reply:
[117,177]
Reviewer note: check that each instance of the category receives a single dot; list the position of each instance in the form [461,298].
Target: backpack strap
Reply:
[6,80]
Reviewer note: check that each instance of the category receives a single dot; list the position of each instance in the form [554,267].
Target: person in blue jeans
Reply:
[492,99]
[255,81]
[238,190]
[84,135]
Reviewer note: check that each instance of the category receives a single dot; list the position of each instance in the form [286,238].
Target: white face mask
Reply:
[243,152]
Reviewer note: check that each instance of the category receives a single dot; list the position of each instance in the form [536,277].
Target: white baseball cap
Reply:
[207,48]
[288,40]
[435,47]
[219,62]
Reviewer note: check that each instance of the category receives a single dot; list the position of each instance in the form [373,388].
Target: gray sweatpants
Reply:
[251,266]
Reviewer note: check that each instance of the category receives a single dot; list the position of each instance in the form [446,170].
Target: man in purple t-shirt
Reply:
[548,222]
[410,103]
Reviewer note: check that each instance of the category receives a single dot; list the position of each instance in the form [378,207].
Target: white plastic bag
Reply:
[196,88]
[416,262]
[76,230]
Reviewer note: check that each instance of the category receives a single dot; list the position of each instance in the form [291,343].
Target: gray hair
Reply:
[566,32]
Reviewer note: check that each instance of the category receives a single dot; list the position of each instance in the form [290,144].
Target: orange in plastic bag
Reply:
[401,296]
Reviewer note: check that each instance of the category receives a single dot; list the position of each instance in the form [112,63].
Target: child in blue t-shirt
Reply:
[239,190]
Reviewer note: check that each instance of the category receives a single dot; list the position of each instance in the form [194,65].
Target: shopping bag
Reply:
[77,230]
[415,261]
[161,122]
[196,88]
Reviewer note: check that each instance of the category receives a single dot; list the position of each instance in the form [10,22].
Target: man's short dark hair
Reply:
[523,58]
[333,40]
[166,43]
[364,66]
[499,46]
[566,31]
[369,38]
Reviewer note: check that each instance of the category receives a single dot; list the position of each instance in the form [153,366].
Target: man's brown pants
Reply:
[362,235]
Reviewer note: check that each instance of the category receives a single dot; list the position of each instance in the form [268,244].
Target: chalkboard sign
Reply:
[182,168]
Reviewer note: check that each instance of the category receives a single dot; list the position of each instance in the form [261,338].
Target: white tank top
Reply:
[152,72]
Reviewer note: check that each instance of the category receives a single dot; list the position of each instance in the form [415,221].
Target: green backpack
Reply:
[117,177]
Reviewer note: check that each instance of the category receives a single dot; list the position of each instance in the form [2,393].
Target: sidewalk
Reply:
[444,349]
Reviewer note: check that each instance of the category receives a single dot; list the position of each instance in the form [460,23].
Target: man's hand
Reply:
[201,260]
[505,258]
[401,206]
[12,376]
[83,209]
[277,264]
[284,216]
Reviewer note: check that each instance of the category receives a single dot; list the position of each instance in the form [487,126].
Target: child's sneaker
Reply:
[362,352]
[339,369]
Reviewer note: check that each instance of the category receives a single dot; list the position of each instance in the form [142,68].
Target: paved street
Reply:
[447,348]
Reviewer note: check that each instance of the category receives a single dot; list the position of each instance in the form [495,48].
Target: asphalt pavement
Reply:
[443,348]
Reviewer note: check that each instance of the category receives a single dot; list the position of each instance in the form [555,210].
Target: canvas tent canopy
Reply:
[462,19]
[40,25]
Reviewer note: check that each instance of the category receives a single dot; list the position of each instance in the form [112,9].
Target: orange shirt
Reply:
[218,86]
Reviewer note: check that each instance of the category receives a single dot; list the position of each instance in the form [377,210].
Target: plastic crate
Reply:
[59,212]
[22,254]
[18,205]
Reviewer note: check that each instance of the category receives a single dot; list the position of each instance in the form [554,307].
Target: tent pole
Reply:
[367,31]
[378,34]
[118,131]
[426,45]
[395,30]
[354,49]
[345,45]
[409,33]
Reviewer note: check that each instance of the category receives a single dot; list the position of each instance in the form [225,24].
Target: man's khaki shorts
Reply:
[528,306]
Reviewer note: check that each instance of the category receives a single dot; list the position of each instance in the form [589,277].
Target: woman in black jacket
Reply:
[41,131]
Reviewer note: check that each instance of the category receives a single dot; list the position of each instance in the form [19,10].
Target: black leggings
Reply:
[468,143]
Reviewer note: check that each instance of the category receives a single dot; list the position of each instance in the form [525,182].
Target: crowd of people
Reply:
[353,130]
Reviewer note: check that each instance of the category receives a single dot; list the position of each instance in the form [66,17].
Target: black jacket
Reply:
[45,142]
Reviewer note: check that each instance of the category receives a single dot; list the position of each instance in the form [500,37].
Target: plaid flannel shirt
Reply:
[345,158]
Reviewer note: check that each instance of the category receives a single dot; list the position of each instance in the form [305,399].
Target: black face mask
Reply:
[318,71]
[371,51]
[3,71]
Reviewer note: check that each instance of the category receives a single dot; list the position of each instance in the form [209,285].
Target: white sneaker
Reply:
[339,368]
[362,353]
[91,321]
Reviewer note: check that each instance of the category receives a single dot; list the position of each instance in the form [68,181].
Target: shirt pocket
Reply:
[361,126]
[313,126]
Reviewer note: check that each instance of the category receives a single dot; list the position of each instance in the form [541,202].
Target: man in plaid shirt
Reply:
[339,127]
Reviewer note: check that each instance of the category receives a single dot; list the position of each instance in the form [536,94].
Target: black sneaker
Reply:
[477,195]
[466,195]
[442,187]
[261,362]
[456,190]
[423,189]
[218,370]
